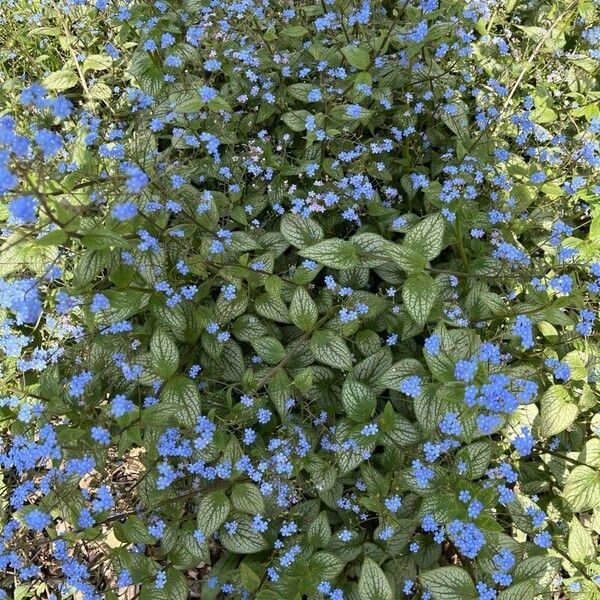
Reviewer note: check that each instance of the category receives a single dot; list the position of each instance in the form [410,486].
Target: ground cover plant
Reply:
[299,300]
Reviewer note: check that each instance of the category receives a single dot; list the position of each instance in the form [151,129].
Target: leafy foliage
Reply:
[299,300]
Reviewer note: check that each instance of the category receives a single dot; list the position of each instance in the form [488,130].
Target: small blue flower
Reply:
[542,539]
[207,93]
[37,520]
[354,111]
[124,211]
[22,210]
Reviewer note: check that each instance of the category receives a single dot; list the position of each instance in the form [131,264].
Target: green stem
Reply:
[460,246]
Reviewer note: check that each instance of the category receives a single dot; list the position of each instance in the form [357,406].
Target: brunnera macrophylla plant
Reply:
[300,300]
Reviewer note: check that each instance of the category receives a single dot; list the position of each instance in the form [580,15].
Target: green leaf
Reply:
[227,310]
[586,10]
[557,411]
[428,407]
[271,308]
[97,62]
[356,57]
[580,544]
[330,349]
[232,362]
[477,457]
[440,364]
[303,310]
[427,236]
[187,551]
[582,488]
[185,102]
[59,81]
[218,104]
[325,566]
[299,90]
[402,432]
[334,253]
[123,305]
[268,595]
[248,327]
[540,569]
[246,497]
[358,400]
[269,349]
[449,583]
[295,119]
[174,589]
[319,532]
[179,402]
[525,590]
[407,258]
[419,294]
[372,583]
[248,578]
[300,232]
[245,540]
[102,238]
[371,248]
[294,31]
[163,353]
[213,511]
[404,368]
[100,91]
[88,267]
[133,530]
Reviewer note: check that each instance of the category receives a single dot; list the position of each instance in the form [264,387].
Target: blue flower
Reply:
[411,386]
[505,559]
[37,520]
[259,524]
[474,509]
[393,503]
[422,474]
[354,111]
[450,425]
[78,382]
[524,442]
[560,369]
[563,284]
[263,415]
[524,330]
[21,297]
[538,177]
[22,210]
[466,537]
[542,539]
[124,211]
[212,64]
[160,580]
[418,34]
[124,579]
[207,93]
[8,180]
[370,429]
[314,95]
[465,370]
[173,61]
[121,405]
[229,292]
[49,142]
[433,344]
[100,435]
[345,535]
